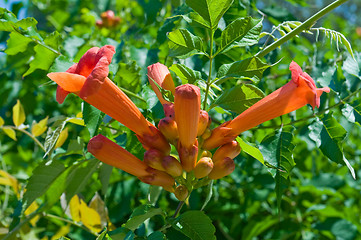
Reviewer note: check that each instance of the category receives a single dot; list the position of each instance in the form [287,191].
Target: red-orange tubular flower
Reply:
[112,154]
[88,79]
[160,74]
[301,90]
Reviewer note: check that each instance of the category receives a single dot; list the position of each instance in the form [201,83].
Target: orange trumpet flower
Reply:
[112,154]
[88,79]
[301,90]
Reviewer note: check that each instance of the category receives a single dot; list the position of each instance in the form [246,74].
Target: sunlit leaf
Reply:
[62,138]
[239,33]
[18,114]
[210,10]
[239,98]
[7,179]
[186,74]
[17,43]
[183,44]
[250,150]
[39,128]
[1,121]
[33,207]
[52,136]
[10,132]
[92,118]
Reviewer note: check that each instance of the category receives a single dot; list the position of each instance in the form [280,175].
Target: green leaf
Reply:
[250,150]
[140,214]
[10,132]
[351,66]
[239,33]
[81,174]
[43,177]
[17,43]
[154,193]
[210,10]
[196,19]
[156,236]
[249,67]
[92,118]
[352,112]
[105,171]
[128,76]
[196,225]
[186,74]
[183,44]
[45,54]
[9,22]
[277,150]
[239,98]
[332,135]
[209,191]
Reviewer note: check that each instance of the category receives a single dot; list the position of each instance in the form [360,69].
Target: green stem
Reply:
[305,25]
[210,72]
[30,135]
[180,205]
[129,93]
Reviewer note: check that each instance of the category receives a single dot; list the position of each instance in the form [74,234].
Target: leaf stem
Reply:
[180,205]
[30,135]
[305,25]
[210,71]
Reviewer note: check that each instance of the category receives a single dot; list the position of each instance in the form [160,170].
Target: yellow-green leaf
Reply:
[39,128]
[1,121]
[10,132]
[18,114]
[62,137]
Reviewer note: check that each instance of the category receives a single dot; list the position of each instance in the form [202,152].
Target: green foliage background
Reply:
[316,196]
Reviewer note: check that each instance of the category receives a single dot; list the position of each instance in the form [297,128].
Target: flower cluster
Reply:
[108,20]
[185,125]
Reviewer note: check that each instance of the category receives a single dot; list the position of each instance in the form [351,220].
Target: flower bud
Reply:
[222,168]
[160,74]
[181,192]
[169,129]
[172,166]
[169,110]
[154,140]
[153,158]
[203,122]
[188,157]
[158,178]
[206,153]
[203,167]
[231,150]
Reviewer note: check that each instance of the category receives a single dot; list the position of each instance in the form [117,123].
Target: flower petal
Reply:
[68,81]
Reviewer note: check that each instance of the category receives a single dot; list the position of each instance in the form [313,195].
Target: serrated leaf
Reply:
[196,225]
[9,22]
[18,114]
[45,56]
[196,19]
[249,67]
[183,44]
[251,150]
[277,149]
[17,43]
[210,10]
[128,76]
[92,118]
[39,128]
[186,74]
[239,33]
[347,44]
[10,132]
[332,135]
[140,214]
[43,177]
[239,98]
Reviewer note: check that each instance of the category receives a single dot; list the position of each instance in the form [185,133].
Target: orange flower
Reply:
[88,79]
[187,107]
[301,90]
[160,74]
[112,154]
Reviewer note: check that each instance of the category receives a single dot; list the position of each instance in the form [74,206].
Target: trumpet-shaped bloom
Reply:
[187,107]
[301,90]
[88,79]
[160,74]
[112,154]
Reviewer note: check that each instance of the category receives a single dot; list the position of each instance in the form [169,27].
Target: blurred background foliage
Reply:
[322,199]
